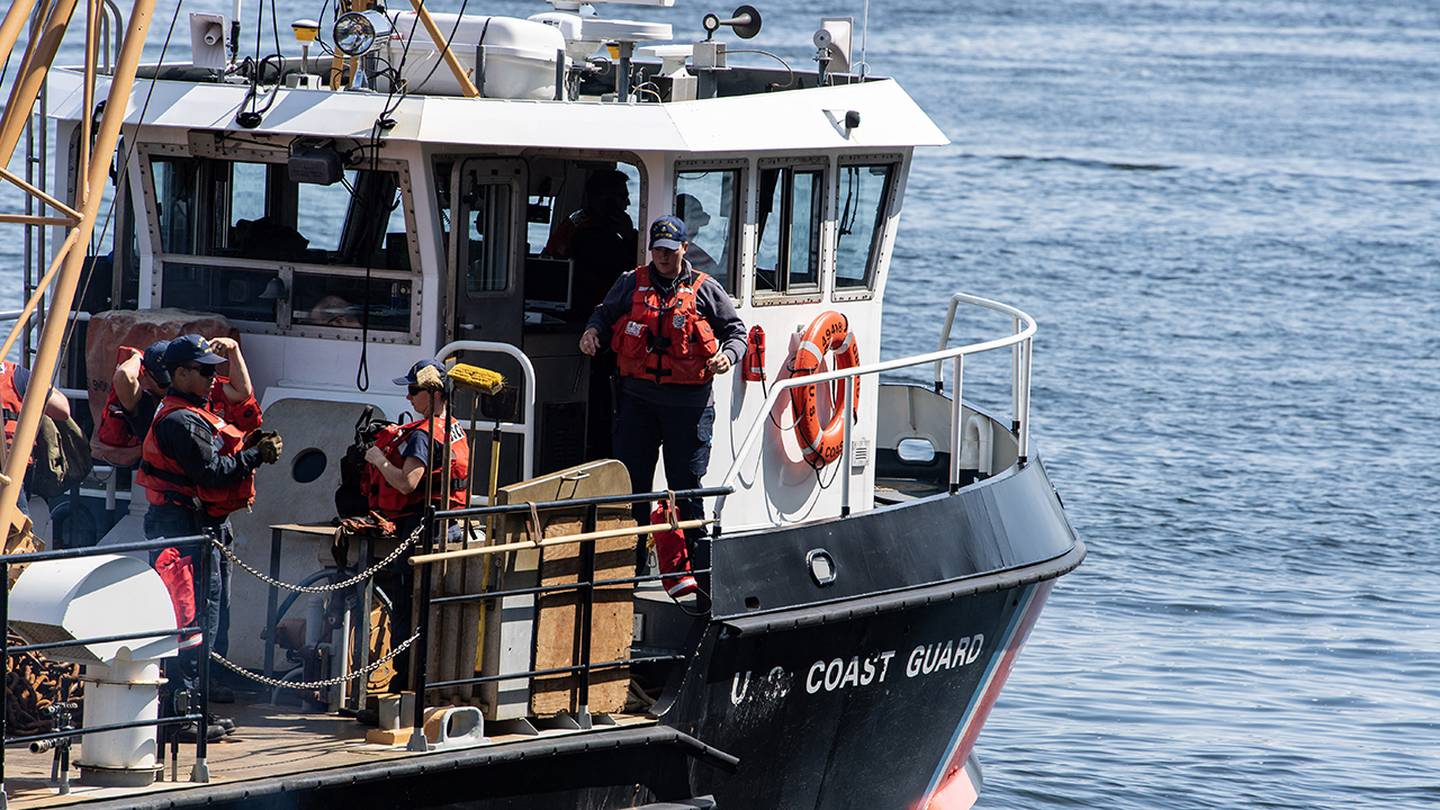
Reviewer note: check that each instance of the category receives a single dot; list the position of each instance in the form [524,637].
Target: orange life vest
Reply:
[665,341]
[244,414]
[165,481]
[10,400]
[391,502]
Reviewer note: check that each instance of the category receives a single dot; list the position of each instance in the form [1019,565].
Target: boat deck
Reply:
[270,742]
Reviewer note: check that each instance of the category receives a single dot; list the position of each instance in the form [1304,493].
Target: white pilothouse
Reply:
[417,193]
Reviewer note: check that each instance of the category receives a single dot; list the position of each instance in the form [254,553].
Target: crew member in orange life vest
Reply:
[399,461]
[197,469]
[139,383]
[673,329]
[402,458]
[14,380]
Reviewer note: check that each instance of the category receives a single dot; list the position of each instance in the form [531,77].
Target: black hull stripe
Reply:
[906,599]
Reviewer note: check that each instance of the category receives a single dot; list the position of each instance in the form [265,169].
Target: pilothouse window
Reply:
[706,200]
[229,229]
[791,212]
[860,227]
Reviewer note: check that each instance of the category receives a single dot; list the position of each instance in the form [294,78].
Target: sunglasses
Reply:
[415,389]
[201,368]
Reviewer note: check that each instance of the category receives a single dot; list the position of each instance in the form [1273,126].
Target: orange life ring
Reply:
[828,332]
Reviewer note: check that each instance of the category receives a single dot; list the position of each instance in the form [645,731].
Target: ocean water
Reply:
[1224,217]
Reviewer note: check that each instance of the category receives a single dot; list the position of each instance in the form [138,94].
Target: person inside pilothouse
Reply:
[673,329]
[600,240]
[689,209]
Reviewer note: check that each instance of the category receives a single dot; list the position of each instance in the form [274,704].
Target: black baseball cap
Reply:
[190,349]
[153,361]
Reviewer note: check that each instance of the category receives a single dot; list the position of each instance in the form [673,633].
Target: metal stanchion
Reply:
[201,771]
[422,641]
[584,610]
[4,662]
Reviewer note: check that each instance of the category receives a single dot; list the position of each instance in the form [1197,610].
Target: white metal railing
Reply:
[1020,339]
[526,431]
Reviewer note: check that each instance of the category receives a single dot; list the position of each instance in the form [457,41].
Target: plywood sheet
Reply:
[556,641]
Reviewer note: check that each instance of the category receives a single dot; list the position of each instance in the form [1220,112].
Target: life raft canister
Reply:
[830,331]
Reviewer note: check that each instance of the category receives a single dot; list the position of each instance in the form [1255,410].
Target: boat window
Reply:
[230,291]
[863,192]
[230,230]
[177,183]
[790,214]
[323,299]
[486,253]
[707,202]
[259,213]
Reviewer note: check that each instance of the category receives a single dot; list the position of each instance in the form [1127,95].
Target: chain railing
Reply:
[1020,339]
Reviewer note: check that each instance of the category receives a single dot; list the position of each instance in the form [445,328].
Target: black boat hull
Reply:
[867,690]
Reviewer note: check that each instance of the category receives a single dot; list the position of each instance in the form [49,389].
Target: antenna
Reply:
[864,40]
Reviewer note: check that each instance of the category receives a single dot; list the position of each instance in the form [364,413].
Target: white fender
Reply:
[975,450]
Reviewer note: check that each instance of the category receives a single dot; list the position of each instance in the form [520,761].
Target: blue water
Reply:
[1224,217]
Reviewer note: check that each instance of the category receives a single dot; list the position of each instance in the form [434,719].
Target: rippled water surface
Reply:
[1224,216]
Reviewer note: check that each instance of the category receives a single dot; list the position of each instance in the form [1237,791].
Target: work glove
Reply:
[270,446]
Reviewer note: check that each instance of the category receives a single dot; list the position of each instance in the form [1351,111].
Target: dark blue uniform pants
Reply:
[165,520]
[644,429]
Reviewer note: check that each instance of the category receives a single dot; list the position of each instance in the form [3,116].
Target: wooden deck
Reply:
[270,742]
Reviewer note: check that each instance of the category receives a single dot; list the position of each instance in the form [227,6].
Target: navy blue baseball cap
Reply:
[667,232]
[153,361]
[413,376]
[190,349]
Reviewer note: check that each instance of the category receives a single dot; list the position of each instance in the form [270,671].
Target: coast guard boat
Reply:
[876,550]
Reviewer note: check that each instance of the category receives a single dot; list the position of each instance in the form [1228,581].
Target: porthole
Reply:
[915,451]
[309,465]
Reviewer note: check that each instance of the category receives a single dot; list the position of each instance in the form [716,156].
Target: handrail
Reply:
[1022,336]
[526,430]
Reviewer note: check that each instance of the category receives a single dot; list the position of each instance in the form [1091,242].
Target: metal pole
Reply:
[92,10]
[585,609]
[54,330]
[1024,414]
[421,650]
[201,771]
[14,20]
[467,87]
[4,662]
[847,444]
[1014,385]
[32,76]
[957,428]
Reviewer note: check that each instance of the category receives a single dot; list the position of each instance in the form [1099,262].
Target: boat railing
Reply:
[1019,341]
[584,586]
[525,430]
[62,737]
